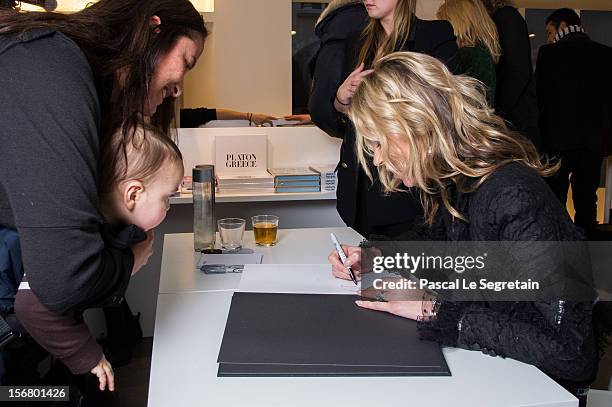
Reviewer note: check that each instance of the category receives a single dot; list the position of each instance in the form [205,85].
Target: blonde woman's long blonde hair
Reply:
[442,120]
[472,25]
[376,43]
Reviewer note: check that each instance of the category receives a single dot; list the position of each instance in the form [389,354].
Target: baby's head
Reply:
[138,180]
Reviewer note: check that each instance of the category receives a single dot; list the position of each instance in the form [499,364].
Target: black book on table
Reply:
[321,335]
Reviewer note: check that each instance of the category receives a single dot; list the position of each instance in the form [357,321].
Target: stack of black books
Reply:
[274,334]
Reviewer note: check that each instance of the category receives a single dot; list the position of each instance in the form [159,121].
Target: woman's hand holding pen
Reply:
[393,302]
[353,261]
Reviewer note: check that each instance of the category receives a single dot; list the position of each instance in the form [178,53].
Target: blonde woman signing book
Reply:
[479,49]
[428,129]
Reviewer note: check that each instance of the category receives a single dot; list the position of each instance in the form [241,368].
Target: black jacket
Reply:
[574,87]
[328,67]
[192,118]
[49,149]
[515,204]
[364,206]
[515,98]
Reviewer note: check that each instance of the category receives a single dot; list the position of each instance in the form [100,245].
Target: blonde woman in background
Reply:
[392,26]
[428,129]
[479,49]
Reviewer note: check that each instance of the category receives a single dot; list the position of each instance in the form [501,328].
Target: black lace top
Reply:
[515,204]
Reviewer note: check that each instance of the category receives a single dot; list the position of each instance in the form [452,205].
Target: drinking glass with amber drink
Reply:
[265,228]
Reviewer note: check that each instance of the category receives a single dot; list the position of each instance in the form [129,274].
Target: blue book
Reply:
[293,184]
[316,177]
[299,189]
[294,174]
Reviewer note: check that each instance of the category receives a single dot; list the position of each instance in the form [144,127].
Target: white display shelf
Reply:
[186,198]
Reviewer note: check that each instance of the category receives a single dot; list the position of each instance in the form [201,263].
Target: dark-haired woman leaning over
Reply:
[68,82]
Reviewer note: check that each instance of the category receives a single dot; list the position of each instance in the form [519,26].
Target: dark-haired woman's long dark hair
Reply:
[116,35]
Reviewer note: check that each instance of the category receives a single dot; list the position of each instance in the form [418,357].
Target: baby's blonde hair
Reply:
[451,133]
[146,150]
[472,25]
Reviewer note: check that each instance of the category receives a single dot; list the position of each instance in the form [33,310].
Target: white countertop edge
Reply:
[260,197]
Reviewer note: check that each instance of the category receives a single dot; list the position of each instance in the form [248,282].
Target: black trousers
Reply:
[581,169]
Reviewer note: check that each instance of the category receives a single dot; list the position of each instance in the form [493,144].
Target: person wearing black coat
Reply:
[479,182]
[338,20]
[574,87]
[515,98]
[361,203]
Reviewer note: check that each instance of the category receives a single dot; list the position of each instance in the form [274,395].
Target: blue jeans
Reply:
[11,268]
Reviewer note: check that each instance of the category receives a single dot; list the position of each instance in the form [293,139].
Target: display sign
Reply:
[241,155]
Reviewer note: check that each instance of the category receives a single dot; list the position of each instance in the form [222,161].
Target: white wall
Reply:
[246,64]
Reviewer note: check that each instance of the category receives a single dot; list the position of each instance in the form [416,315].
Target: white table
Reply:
[191,313]
[295,246]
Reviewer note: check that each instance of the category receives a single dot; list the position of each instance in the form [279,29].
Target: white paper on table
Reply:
[229,259]
[294,279]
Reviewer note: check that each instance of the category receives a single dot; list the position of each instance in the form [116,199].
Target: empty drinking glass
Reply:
[231,231]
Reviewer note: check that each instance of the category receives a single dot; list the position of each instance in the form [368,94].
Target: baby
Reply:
[136,185]
[138,174]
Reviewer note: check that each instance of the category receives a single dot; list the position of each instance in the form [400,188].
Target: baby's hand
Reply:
[142,251]
[105,374]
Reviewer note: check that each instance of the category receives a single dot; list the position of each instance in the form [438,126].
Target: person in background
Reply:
[478,181]
[300,119]
[339,19]
[560,20]
[191,118]
[362,203]
[304,52]
[479,48]
[574,86]
[117,64]
[515,97]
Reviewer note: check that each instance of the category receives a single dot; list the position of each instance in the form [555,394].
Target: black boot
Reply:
[123,332]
